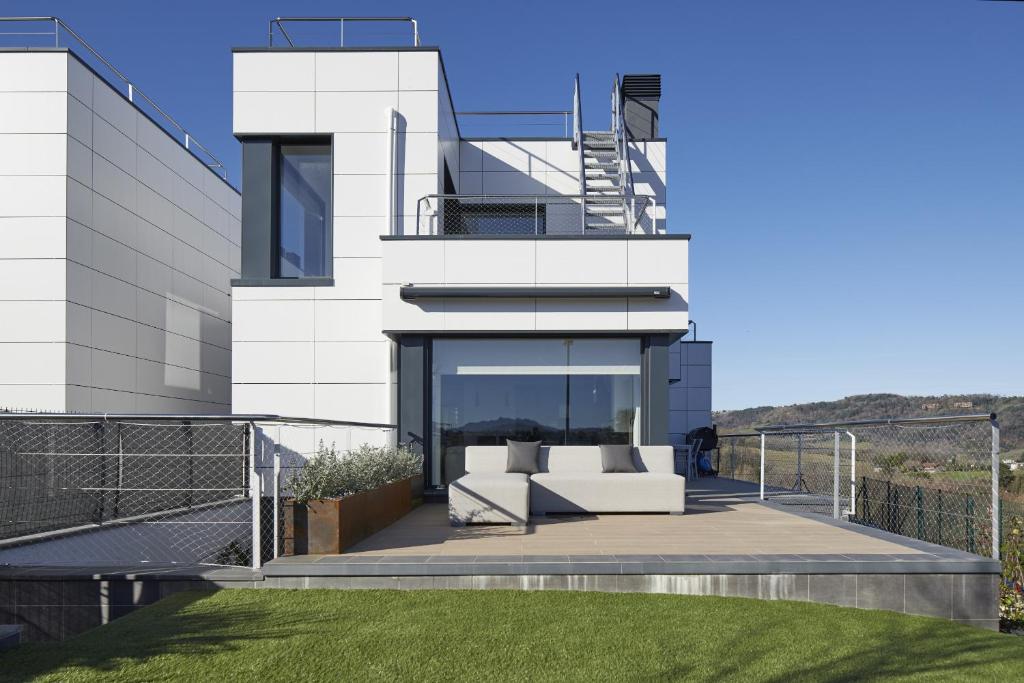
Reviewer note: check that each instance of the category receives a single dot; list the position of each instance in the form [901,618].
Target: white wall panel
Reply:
[418,71]
[273,112]
[32,237]
[272,320]
[273,362]
[352,362]
[581,262]
[350,112]
[489,261]
[356,71]
[33,71]
[273,71]
[33,112]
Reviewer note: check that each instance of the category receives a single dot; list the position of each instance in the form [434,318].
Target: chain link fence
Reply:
[534,215]
[152,491]
[927,478]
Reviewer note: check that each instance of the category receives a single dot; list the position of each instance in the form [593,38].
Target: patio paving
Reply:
[721,519]
[726,530]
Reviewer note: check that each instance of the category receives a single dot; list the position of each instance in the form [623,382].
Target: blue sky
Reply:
[851,172]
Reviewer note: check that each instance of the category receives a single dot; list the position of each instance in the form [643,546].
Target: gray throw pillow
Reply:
[617,458]
[523,457]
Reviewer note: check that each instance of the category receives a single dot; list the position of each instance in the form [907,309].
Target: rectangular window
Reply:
[304,210]
[559,391]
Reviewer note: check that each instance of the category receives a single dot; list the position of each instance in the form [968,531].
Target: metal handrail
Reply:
[190,142]
[555,112]
[144,417]
[278,21]
[577,143]
[936,419]
[537,199]
[621,136]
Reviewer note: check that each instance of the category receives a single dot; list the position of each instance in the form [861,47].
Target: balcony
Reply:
[537,215]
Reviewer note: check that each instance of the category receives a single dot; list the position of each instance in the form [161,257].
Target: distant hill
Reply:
[1009,409]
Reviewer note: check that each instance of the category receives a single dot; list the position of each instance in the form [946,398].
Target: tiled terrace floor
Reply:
[722,518]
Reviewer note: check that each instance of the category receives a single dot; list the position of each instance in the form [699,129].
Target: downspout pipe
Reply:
[392,132]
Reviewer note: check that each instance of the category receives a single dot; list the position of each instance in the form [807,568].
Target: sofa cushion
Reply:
[617,458]
[611,492]
[522,456]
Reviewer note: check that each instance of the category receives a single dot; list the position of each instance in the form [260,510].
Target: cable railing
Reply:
[535,118]
[932,478]
[508,214]
[60,29]
[279,23]
[124,490]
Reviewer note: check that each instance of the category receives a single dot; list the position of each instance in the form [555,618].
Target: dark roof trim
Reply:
[312,48]
[283,282]
[530,334]
[554,238]
[409,292]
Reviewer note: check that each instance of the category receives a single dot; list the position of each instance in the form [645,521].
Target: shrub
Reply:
[329,475]
[1011,588]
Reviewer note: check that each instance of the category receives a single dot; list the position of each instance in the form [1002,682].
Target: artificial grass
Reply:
[262,635]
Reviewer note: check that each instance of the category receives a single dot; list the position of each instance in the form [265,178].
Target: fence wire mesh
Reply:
[125,493]
[926,480]
[282,450]
[114,492]
[534,215]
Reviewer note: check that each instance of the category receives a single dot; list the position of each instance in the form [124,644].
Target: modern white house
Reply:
[117,246]
[466,289]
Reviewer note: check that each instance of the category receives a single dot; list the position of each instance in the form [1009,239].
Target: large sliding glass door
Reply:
[559,391]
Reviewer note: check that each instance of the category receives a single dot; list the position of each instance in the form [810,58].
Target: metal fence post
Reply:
[254,493]
[732,457]
[835,477]
[995,489]
[762,465]
[277,497]
[853,473]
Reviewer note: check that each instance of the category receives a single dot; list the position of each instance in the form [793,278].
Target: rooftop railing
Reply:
[507,214]
[54,32]
[334,27]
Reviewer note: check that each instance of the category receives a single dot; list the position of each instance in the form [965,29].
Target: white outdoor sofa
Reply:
[570,480]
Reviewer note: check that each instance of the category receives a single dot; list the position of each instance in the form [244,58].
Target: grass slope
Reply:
[263,635]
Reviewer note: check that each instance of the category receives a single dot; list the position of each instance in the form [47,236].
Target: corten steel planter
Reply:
[326,527]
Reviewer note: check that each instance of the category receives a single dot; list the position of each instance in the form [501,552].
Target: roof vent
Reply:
[641,95]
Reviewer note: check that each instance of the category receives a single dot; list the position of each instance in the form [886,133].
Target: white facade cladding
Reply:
[117,248]
[440,244]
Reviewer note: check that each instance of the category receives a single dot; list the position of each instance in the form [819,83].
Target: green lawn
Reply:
[263,635]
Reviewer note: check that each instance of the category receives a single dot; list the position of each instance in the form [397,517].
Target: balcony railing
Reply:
[338,31]
[450,214]
[53,32]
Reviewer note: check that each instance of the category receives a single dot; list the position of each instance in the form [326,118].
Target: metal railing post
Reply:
[56,32]
[536,218]
[835,477]
[762,465]
[341,31]
[799,483]
[254,493]
[277,496]
[853,473]
[995,489]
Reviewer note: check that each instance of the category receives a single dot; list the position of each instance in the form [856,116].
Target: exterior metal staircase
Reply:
[606,177]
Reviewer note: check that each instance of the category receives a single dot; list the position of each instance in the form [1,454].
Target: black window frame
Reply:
[278,142]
